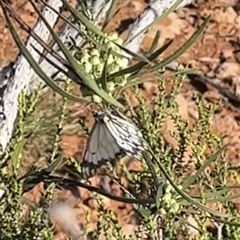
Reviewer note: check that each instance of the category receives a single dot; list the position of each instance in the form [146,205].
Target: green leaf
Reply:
[133,83]
[159,195]
[53,165]
[185,195]
[84,20]
[172,8]
[65,19]
[91,27]
[147,159]
[36,66]
[183,48]
[83,5]
[103,78]
[18,149]
[135,55]
[110,13]
[155,42]
[85,78]
[138,67]
[190,180]
[231,223]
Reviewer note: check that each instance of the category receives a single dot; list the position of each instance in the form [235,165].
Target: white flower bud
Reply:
[168,188]
[163,211]
[113,68]
[96,99]
[122,62]
[119,41]
[99,67]
[175,207]
[95,60]
[88,67]
[113,36]
[111,86]
[85,57]
[94,52]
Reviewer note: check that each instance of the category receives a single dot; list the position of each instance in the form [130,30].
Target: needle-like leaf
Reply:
[85,78]
[184,47]
[36,66]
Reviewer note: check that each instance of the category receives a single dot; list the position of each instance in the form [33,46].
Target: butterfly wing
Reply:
[101,147]
[127,136]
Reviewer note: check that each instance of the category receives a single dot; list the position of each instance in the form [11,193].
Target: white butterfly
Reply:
[110,137]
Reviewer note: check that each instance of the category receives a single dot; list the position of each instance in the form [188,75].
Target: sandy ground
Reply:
[216,54]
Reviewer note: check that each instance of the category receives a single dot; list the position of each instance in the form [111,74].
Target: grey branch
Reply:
[153,11]
[21,75]
[18,76]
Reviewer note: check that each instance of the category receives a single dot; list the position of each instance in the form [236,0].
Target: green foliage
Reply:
[162,191]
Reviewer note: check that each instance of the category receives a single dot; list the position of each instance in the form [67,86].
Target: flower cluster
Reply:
[94,59]
[169,204]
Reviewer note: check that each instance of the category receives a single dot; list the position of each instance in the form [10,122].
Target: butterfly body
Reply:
[112,135]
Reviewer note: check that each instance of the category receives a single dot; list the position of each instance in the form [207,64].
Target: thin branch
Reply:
[21,76]
[18,76]
[62,182]
[151,13]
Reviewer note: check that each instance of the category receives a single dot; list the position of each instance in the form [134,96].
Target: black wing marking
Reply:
[127,136]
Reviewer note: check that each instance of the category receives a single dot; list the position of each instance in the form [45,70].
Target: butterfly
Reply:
[112,135]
